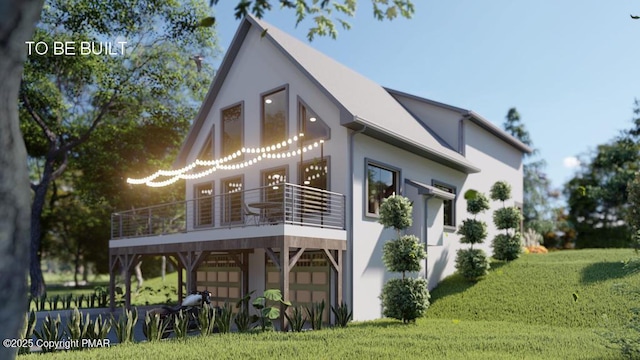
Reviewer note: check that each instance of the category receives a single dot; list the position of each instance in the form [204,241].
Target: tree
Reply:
[64,99]
[536,208]
[507,246]
[472,263]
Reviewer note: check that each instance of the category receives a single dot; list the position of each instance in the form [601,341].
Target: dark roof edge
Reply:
[424,189]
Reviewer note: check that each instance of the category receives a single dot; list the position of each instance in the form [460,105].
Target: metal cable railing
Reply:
[269,205]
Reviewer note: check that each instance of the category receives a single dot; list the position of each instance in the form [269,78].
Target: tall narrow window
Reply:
[232,200]
[382,182]
[273,184]
[448,205]
[315,173]
[311,125]
[206,153]
[204,204]
[274,117]
[232,127]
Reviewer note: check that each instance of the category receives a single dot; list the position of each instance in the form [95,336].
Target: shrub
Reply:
[473,231]
[507,247]
[268,307]
[501,190]
[315,313]
[125,324]
[472,263]
[403,254]
[532,238]
[27,331]
[507,218]
[50,332]
[296,320]
[223,319]
[181,324]
[395,212]
[77,326]
[154,327]
[206,320]
[405,299]
[343,314]
[99,328]
[477,203]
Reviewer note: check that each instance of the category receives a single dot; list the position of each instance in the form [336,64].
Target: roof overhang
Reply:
[424,189]
[388,136]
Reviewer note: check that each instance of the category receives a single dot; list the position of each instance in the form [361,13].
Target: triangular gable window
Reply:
[311,125]
[206,153]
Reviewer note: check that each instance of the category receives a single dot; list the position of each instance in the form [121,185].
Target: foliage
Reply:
[477,203]
[537,211]
[223,318]
[472,264]
[403,254]
[206,320]
[507,246]
[243,320]
[343,314]
[501,190]
[315,313]
[50,332]
[78,326]
[99,328]
[296,320]
[507,218]
[27,331]
[125,325]
[395,212]
[181,324]
[268,306]
[531,238]
[154,327]
[405,299]
[322,12]
[597,196]
[473,231]
[633,214]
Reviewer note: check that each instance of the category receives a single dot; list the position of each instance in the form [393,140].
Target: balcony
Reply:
[235,212]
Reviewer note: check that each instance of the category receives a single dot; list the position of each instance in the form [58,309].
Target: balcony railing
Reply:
[269,205]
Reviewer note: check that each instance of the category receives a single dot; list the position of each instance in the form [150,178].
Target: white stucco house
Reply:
[267,208]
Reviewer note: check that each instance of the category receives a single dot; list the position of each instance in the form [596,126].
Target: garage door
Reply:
[219,275]
[308,281]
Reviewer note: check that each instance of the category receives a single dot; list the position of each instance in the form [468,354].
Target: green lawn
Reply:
[524,309]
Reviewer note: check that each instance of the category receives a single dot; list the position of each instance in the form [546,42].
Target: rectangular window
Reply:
[204,204]
[449,209]
[274,117]
[273,184]
[232,200]
[232,127]
[315,173]
[382,182]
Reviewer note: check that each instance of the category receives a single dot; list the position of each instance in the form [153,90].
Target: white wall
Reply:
[369,273]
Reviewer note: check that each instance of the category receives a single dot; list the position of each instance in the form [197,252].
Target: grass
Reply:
[524,309]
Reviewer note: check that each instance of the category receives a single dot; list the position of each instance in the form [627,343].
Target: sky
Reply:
[571,68]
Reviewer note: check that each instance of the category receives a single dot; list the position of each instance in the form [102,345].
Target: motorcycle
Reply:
[190,307]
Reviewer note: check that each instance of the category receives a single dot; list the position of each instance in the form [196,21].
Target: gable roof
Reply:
[473,117]
[364,105]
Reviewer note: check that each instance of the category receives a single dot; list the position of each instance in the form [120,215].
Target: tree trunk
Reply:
[138,270]
[35,269]
[163,269]
[17,24]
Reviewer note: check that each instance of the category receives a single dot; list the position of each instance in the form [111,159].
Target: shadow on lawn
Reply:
[603,271]
[456,284]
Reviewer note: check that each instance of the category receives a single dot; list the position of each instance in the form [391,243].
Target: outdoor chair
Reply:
[251,216]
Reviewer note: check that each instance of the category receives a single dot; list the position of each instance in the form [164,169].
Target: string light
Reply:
[219,164]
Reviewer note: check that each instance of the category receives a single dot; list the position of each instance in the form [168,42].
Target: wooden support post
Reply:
[178,267]
[335,259]
[127,282]
[191,260]
[284,280]
[113,260]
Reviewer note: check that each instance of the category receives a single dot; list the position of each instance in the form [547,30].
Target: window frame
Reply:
[439,185]
[197,204]
[284,88]
[225,196]
[327,159]
[380,165]
[222,130]
[210,137]
[301,122]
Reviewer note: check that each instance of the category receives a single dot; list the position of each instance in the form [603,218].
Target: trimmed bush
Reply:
[501,191]
[395,212]
[477,203]
[507,218]
[473,231]
[472,264]
[405,299]
[403,254]
[507,247]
